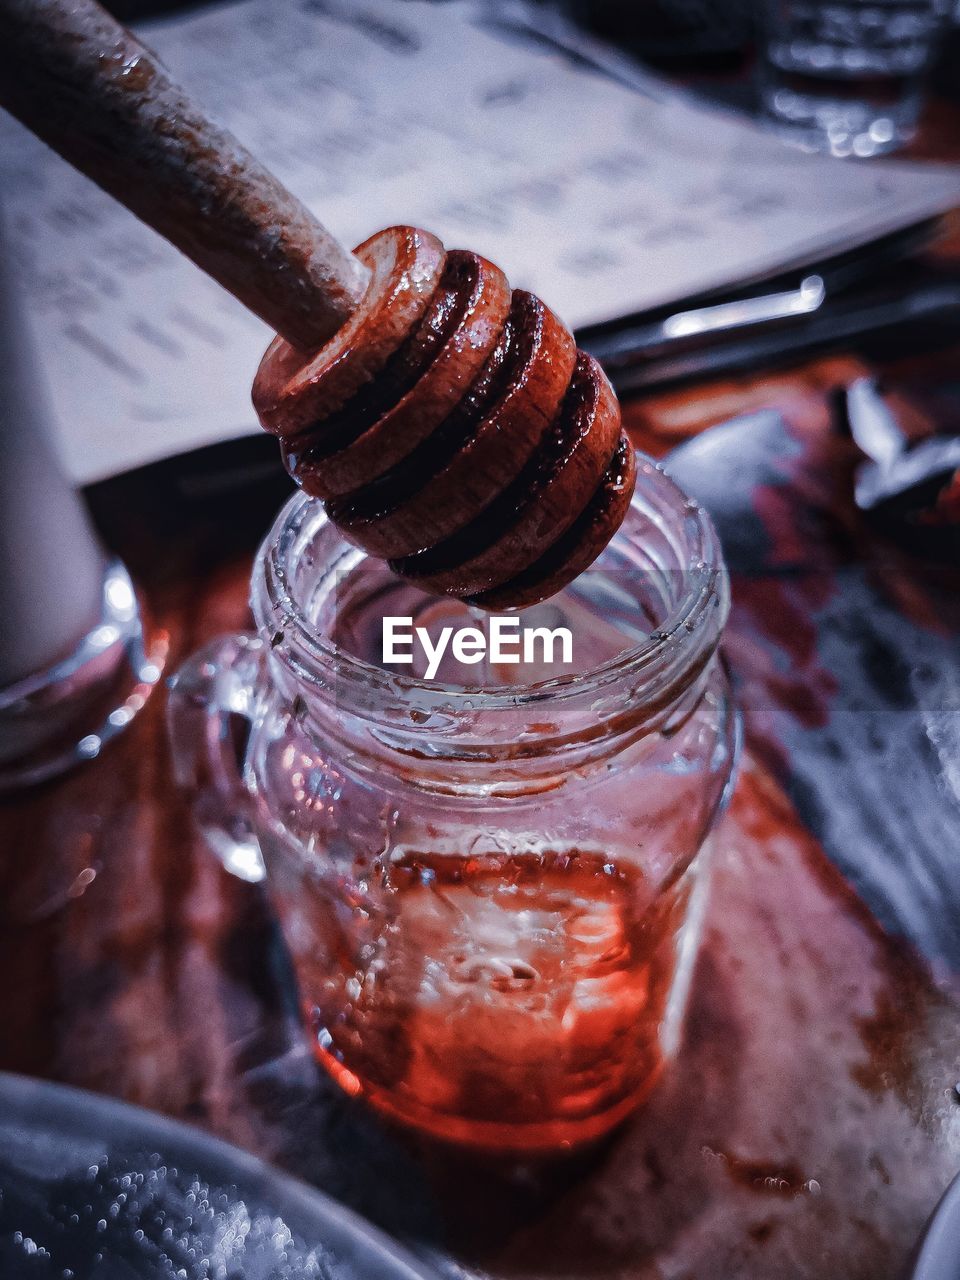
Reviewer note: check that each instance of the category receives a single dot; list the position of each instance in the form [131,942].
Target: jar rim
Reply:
[695,618]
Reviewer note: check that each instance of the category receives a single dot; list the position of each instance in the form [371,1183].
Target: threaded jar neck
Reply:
[645,619]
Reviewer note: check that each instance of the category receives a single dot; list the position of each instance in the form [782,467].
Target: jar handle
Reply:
[218,684]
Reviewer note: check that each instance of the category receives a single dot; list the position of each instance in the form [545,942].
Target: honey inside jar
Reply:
[507,1001]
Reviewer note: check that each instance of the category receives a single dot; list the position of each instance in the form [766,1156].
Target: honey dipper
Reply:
[448,423]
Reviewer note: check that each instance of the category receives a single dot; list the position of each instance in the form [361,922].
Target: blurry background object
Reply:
[937,1253]
[174,1201]
[73,667]
[50,591]
[846,78]
[883,294]
[914,491]
[856,674]
[673,33]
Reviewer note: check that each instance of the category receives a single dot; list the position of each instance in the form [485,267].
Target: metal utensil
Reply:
[763,331]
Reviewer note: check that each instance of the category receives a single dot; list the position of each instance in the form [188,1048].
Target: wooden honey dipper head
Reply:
[452,428]
[448,423]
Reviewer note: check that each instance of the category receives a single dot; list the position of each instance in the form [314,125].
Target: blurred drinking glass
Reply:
[846,76]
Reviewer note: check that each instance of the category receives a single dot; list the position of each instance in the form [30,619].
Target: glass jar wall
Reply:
[490,882]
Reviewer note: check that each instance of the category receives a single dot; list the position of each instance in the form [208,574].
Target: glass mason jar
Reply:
[490,883]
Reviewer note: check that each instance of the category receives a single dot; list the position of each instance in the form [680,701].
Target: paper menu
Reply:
[601,199]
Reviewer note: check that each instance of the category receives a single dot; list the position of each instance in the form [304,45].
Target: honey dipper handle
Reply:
[94,93]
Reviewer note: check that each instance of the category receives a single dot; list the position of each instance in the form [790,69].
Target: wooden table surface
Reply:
[811,1120]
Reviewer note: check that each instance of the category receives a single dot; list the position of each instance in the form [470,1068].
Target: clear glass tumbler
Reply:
[491,891]
[846,76]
